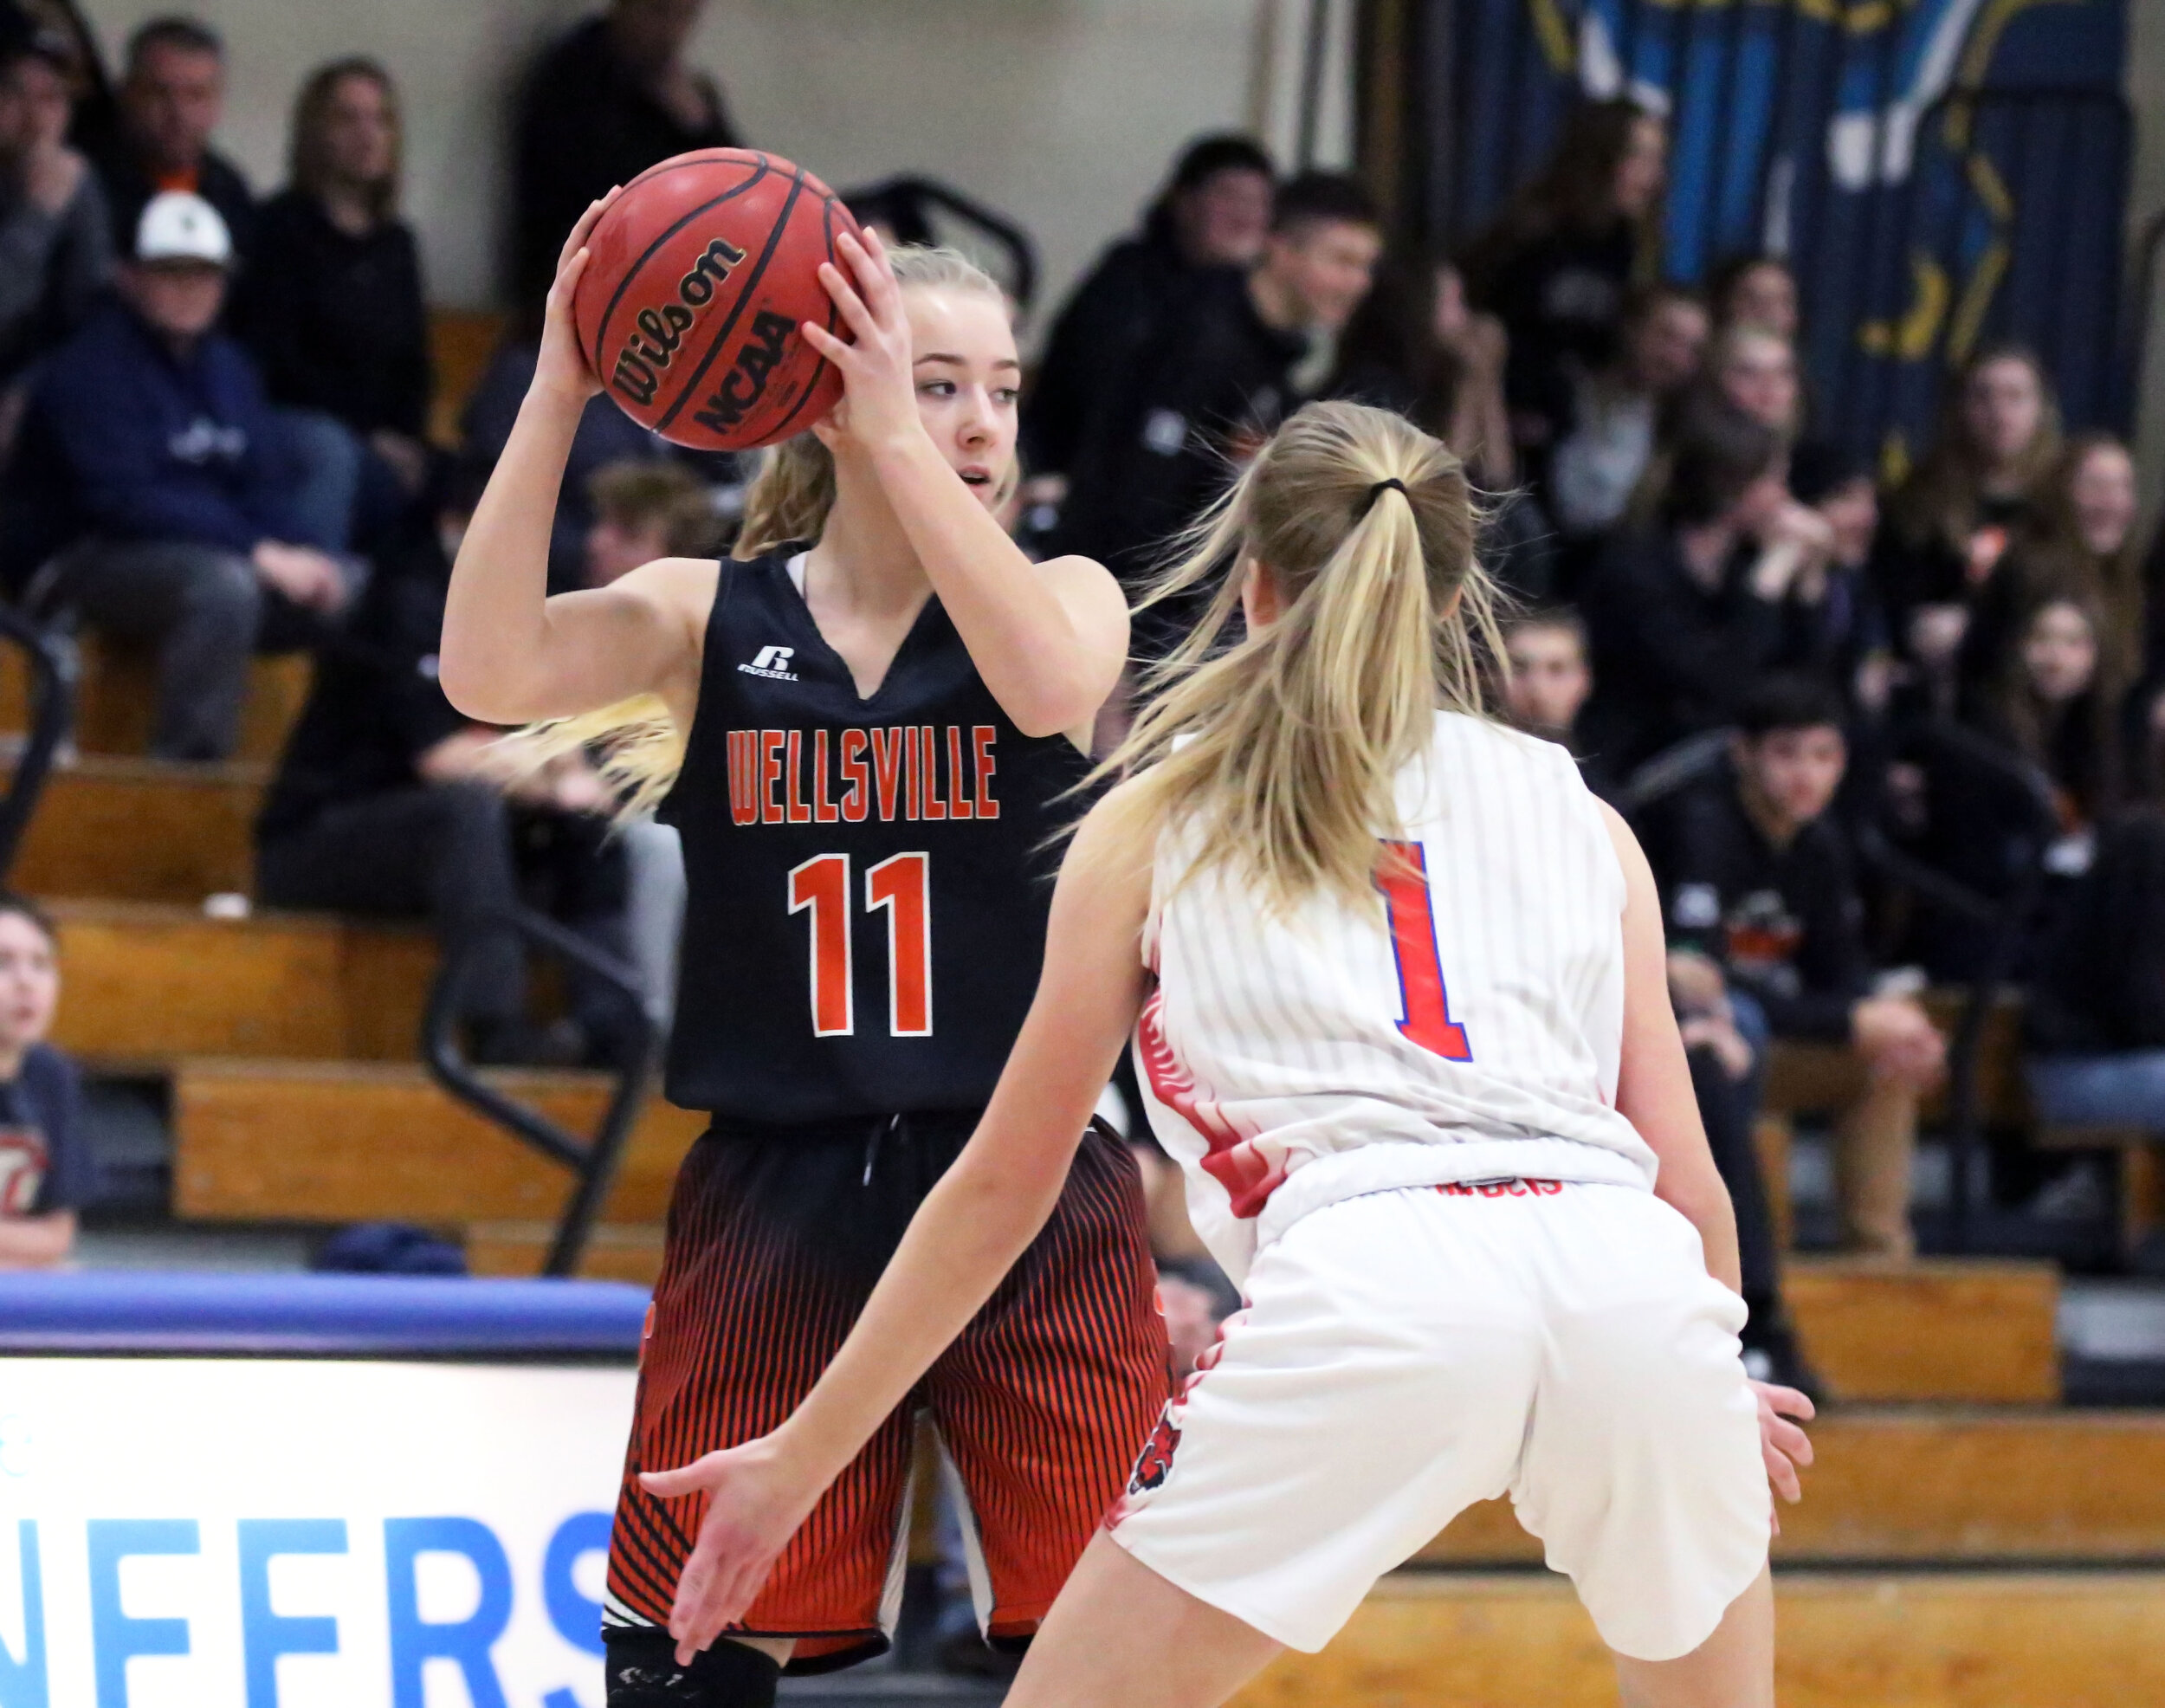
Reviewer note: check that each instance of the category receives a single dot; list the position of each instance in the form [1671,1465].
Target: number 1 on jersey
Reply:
[1402,876]
[898,884]
[901,886]
[823,885]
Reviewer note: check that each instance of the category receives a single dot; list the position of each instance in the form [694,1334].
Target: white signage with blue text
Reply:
[194,1533]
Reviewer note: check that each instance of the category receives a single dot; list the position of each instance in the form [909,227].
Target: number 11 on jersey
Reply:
[1402,876]
[900,885]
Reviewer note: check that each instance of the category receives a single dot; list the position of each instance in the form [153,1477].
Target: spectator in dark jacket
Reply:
[1214,381]
[387,802]
[1213,215]
[1557,264]
[333,306]
[55,240]
[1686,614]
[1765,937]
[607,102]
[172,96]
[149,437]
[46,1174]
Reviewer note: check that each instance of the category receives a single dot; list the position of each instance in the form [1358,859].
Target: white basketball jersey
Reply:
[1466,1027]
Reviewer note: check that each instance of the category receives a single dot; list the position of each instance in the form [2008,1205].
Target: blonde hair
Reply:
[640,749]
[1285,750]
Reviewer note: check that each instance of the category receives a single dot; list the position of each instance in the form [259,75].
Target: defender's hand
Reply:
[755,1502]
[1781,1444]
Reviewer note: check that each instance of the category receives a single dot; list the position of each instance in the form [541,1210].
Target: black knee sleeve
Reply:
[642,1673]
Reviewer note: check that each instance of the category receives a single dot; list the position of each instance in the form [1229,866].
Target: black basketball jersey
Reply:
[866,879]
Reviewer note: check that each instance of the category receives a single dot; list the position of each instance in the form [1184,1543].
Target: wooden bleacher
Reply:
[1966,1542]
[1848,1640]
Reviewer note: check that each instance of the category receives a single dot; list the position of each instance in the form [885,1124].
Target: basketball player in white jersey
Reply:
[1397,981]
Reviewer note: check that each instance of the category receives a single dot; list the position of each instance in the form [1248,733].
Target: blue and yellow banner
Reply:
[1940,172]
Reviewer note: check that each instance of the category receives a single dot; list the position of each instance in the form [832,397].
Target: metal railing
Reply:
[52,712]
[593,1160]
[907,204]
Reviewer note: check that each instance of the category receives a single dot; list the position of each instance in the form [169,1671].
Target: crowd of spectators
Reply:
[215,416]
[1803,675]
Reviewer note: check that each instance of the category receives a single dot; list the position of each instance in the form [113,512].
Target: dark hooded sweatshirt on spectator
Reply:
[1209,388]
[338,320]
[1784,923]
[1670,658]
[128,441]
[1113,316]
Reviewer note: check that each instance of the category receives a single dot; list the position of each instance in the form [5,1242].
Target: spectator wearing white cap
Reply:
[150,454]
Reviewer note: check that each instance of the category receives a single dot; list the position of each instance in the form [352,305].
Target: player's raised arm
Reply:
[1049,640]
[963,1239]
[510,654]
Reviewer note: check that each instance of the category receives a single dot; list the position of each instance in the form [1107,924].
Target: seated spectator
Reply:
[1214,214]
[1983,480]
[1413,346]
[1755,290]
[2078,543]
[95,116]
[1836,629]
[56,241]
[1217,375]
[172,95]
[646,510]
[149,442]
[1685,613]
[45,1166]
[1556,266]
[1755,370]
[388,803]
[610,99]
[332,306]
[2095,1020]
[2051,706]
[1764,916]
[1618,409]
[1548,683]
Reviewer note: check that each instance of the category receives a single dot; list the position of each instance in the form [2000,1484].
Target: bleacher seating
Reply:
[1928,1566]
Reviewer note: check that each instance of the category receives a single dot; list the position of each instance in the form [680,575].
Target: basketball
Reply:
[701,273]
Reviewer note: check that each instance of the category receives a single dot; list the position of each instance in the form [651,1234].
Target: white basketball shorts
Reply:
[1403,1355]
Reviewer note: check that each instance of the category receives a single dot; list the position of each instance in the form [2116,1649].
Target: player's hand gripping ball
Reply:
[700,275]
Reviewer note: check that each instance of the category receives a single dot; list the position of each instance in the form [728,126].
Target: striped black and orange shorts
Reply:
[776,1237]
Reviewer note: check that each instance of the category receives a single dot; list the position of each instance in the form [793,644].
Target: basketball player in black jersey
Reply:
[880,704]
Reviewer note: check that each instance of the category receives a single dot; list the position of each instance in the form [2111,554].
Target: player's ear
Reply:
[832,425]
[1260,601]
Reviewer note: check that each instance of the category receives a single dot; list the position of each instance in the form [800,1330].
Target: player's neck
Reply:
[866,561]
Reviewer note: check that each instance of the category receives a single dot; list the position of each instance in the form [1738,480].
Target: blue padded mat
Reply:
[354,1316]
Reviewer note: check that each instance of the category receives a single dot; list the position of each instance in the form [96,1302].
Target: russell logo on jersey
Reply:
[772,662]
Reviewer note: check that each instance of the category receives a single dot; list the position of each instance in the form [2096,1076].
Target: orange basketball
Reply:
[701,276]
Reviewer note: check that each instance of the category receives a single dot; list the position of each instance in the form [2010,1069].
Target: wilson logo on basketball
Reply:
[647,353]
[746,383]
[1156,1459]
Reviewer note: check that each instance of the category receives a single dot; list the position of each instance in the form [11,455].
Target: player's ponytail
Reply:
[1284,749]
